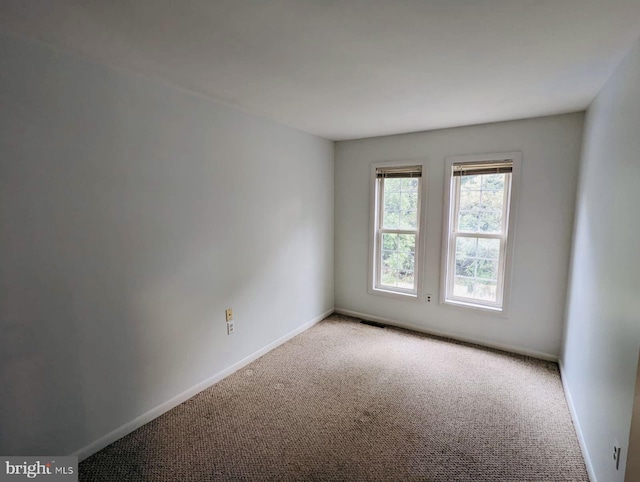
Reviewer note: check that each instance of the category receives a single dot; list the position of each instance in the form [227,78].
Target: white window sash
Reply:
[378,240]
[453,235]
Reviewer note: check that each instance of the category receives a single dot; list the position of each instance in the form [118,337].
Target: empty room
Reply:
[320,240]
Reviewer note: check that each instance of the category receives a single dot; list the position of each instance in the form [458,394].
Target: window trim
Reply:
[375,233]
[506,255]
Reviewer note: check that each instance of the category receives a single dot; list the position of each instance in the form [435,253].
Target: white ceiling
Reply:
[345,69]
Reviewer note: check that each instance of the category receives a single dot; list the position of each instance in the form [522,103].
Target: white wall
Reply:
[602,338]
[131,215]
[551,150]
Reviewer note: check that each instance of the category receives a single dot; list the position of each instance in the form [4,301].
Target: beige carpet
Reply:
[346,401]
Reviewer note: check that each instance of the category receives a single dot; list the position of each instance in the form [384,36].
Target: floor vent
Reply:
[373,323]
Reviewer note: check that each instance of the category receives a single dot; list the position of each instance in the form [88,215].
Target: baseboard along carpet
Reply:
[347,401]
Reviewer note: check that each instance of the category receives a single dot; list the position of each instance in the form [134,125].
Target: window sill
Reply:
[476,307]
[398,295]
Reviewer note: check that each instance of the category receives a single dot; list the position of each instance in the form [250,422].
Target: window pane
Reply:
[391,204]
[392,184]
[463,287]
[466,267]
[487,269]
[475,289]
[391,201]
[409,201]
[409,184]
[398,261]
[491,222]
[405,279]
[390,241]
[389,259]
[468,221]
[481,203]
[466,247]
[406,243]
[409,210]
[409,220]
[391,219]
[493,182]
[389,277]
[485,290]
[470,182]
[470,200]
[476,268]
[492,200]
[406,261]
[400,203]
[488,248]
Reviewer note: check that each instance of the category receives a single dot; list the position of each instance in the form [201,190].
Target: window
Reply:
[396,212]
[479,224]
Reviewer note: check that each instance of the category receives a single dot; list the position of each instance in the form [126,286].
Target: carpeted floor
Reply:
[347,401]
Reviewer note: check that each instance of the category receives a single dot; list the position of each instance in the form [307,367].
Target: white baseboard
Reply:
[576,424]
[138,422]
[476,341]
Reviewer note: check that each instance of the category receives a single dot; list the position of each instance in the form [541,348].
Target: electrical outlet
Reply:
[229,314]
[230,328]
[616,454]
[429,298]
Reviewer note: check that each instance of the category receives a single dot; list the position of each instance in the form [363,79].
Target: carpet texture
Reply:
[346,401]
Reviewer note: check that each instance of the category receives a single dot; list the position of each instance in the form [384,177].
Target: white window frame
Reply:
[507,240]
[375,234]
